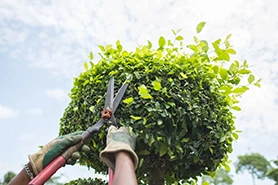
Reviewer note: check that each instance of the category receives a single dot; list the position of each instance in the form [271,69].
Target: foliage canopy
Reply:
[221,177]
[179,104]
[273,172]
[256,164]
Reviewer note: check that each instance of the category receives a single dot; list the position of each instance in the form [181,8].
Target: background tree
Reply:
[8,177]
[179,104]
[256,164]
[54,180]
[273,172]
[221,177]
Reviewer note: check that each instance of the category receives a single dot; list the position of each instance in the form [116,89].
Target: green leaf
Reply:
[228,37]
[125,54]
[216,47]
[150,44]
[185,140]
[156,85]
[135,117]
[218,41]
[258,83]
[179,38]
[141,162]
[196,39]
[244,71]
[120,48]
[251,78]
[227,44]
[211,150]
[144,93]
[128,100]
[226,88]
[235,135]
[143,152]
[170,43]
[227,168]
[192,47]
[179,148]
[92,108]
[240,90]
[204,45]
[91,56]
[159,122]
[75,109]
[237,108]
[233,68]
[223,73]
[215,69]
[86,82]
[162,149]
[161,41]
[92,64]
[118,43]
[222,139]
[223,56]
[159,54]
[86,66]
[183,75]
[200,26]
[101,47]
[205,183]
[150,142]
[231,51]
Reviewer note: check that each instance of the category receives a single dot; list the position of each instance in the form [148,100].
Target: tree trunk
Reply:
[156,176]
[253,178]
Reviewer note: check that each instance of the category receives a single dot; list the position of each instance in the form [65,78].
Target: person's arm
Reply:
[119,155]
[124,170]
[21,178]
[38,161]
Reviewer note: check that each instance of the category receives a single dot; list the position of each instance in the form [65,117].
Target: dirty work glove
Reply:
[55,148]
[118,140]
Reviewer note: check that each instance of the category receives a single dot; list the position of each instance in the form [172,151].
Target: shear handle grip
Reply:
[48,171]
[56,164]
[60,161]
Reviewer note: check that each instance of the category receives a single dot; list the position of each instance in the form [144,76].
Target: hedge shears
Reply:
[107,117]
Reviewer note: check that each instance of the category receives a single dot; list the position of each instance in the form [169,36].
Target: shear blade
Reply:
[109,94]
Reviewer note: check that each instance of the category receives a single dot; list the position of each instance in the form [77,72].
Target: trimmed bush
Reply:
[179,104]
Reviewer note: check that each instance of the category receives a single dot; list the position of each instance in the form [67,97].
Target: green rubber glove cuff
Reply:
[52,150]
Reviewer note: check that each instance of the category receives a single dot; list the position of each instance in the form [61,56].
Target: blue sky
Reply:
[43,45]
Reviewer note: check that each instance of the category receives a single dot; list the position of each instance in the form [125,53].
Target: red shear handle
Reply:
[111,176]
[48,171]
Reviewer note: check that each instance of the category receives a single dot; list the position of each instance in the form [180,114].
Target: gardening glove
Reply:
[118,140]
[57,147]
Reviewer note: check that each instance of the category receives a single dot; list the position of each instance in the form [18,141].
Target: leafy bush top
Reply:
[179,104]
[88,181]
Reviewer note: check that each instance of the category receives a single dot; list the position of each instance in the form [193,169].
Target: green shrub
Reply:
[179,104]
[88,181]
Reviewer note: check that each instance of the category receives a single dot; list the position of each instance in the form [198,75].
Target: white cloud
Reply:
[7,112]
[35,112]
[57,94]
[63,38]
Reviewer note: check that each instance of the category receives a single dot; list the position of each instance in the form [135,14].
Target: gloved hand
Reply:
[55,148]
[118,140]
